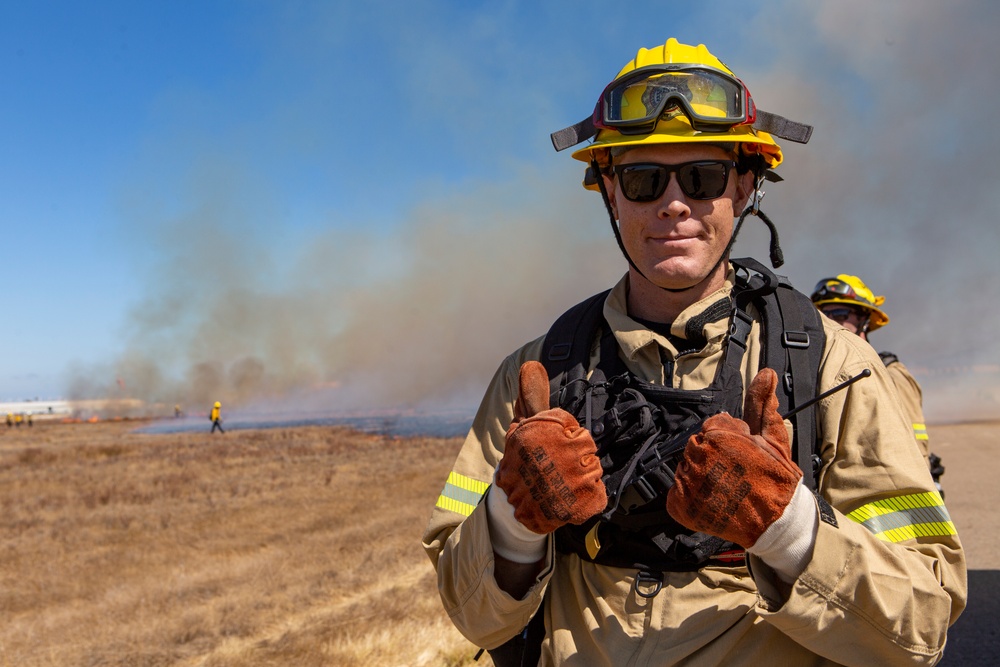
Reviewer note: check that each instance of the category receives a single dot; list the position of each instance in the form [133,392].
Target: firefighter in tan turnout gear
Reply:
[848,301]
[573,528]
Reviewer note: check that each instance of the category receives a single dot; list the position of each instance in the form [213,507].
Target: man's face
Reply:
[675,240]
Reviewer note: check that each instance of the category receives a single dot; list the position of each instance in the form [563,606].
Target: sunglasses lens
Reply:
[838,315]
[698,180]
[703,180]
[643,182]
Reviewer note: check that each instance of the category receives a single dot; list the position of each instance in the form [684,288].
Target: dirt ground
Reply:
[293,546]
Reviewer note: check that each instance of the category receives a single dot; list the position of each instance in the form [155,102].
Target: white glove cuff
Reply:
[511,539]
[787,544]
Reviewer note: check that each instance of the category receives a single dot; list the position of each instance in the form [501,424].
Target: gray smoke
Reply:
[896,187]
[359,319]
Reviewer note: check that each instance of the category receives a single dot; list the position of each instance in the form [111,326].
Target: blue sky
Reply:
[297,189]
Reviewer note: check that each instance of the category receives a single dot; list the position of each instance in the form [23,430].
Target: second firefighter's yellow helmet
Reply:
[852,291]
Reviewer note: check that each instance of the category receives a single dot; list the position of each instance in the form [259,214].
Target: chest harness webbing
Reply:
[631,420]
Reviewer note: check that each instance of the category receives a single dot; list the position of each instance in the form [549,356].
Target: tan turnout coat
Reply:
[911,398]
[882,587]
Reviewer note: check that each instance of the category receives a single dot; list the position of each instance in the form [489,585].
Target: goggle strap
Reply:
[574,134]
[780,126]
[768,122]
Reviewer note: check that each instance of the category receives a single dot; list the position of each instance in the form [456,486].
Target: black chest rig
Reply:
[641,428]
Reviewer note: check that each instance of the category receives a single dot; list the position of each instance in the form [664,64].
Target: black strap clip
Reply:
[648,584]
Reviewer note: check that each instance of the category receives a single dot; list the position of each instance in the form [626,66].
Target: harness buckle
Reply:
[739,328]
[796,339]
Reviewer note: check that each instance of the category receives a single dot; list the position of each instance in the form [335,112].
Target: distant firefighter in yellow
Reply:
[216,417]
[848,301]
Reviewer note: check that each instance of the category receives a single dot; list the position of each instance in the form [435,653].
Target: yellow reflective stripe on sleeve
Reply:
[461,494]
[920,431]
[906,517]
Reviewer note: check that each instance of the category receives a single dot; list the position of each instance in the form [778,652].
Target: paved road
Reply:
[971,454]
[975,638]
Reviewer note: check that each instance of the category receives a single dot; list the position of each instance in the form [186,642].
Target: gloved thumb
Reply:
[760,409]
[533,391]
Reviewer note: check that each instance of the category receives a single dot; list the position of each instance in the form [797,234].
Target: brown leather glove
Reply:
[549,470]
[737,477]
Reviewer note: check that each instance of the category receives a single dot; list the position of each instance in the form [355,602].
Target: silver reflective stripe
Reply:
[461,494]
[906,517]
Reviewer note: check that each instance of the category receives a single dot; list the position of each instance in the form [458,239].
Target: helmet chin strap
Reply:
[776,255]
[777,258]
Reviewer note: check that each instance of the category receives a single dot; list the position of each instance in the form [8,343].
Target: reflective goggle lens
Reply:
[646,181]
[833,288]
[706,96]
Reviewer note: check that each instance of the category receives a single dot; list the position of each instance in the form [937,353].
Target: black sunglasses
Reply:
[841,314]
[646,181]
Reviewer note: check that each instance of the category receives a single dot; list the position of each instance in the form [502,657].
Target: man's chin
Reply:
[675,274]
[679,273]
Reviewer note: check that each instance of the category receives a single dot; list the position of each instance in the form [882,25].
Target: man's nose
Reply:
[673,202]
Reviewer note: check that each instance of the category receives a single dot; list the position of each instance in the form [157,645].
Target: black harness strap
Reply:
[888,358]
[566,351]
[793,347]
[803,341]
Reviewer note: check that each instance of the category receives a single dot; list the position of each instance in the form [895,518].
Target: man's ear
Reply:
[744,188]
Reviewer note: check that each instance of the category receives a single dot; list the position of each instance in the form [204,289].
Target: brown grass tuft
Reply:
[296,546]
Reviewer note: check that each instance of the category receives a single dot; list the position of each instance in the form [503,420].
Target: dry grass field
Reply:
[297,546]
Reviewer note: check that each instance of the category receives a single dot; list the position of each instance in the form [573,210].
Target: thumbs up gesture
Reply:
[549,470]
[737,475]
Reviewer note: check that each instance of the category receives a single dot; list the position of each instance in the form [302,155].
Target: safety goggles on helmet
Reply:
[646,181]
[832,288]
[713,100]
